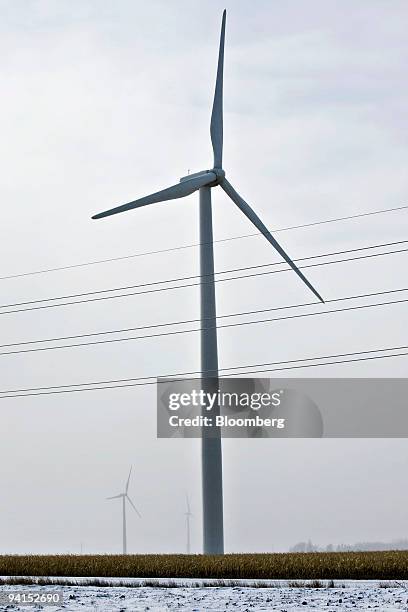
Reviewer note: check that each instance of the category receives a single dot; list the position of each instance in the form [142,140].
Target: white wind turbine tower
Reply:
[188,516]
[125,497]
[203,182]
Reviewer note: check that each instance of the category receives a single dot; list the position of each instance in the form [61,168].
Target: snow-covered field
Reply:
[347,596]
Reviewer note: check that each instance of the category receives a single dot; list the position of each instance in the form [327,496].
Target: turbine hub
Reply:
[219,173]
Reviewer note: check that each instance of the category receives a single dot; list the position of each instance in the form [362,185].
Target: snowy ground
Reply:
[345,596]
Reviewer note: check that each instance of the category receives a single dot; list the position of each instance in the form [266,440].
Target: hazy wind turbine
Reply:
[188,516]
[213,538]
[125,497]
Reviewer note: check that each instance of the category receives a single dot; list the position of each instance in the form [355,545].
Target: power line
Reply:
[198,329]
[313,365]
[198,276]
[187,321]
[134,382]
[217,280]
[198,373]
[197,244]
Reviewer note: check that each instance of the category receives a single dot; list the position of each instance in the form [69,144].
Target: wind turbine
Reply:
[125,497]
[188,515]
[204,181]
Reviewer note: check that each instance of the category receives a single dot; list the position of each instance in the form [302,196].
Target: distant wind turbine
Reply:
[125,497]
[204,181]
[188,515]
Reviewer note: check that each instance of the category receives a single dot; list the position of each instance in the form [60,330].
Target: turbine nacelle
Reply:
[219,175]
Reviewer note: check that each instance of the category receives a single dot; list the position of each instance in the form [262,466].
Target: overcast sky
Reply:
[103,102]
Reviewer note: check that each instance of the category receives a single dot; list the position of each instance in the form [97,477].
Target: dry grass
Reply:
[388,565]
[161,584]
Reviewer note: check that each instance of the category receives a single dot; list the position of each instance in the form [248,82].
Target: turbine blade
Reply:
[180,190]
[134,507]
[188,504]
[216,126]
[252,216]
[127,484]
[115,496]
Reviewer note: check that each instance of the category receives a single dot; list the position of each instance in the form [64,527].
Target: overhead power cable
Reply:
[198,329]
[266,367]
[197,244]
[194,284]
[186,321]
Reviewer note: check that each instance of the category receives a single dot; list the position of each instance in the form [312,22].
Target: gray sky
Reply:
[103,102]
